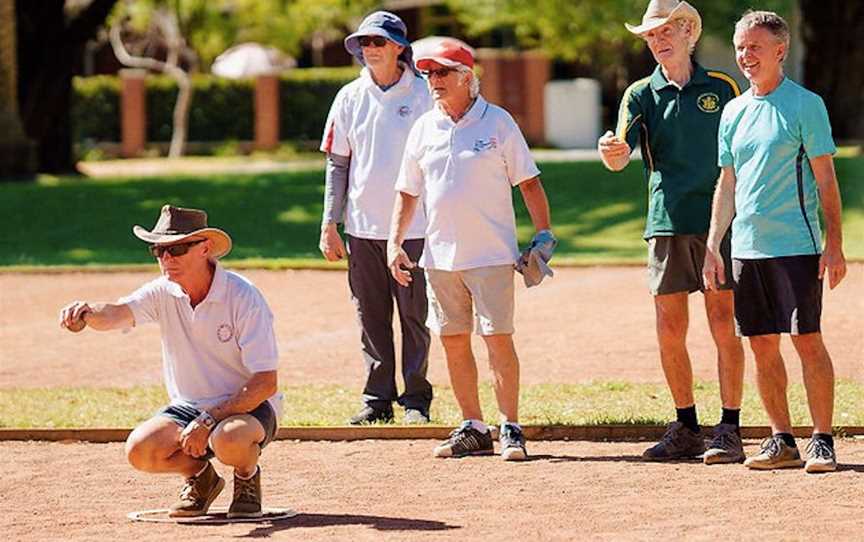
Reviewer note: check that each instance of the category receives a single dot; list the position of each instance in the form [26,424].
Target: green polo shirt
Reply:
[677,132]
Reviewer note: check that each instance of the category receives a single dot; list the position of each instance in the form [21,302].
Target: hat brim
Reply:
[352,42]
[221,240]
[424,63]
[681,11]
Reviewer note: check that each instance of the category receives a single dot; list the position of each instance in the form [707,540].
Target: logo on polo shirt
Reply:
[486,144]
[708,102]
[224,333]
[404,111]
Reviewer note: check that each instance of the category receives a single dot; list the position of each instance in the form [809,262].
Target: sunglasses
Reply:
[174,250]
[372,41]
[440,72]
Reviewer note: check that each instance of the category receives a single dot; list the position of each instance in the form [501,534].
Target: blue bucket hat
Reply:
[386,24]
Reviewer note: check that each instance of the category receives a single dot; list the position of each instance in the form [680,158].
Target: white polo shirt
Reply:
[211,351]
[371,127]
[464,173]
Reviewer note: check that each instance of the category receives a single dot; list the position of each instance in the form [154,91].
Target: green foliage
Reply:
[593,403]
[222,109]
[598,216]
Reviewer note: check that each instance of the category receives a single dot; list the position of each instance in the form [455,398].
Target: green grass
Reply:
[327,405]
[274,218]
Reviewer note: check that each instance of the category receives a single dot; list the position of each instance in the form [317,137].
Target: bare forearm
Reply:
[257,390]
[615,163]
[108,316]
[829,197]
[537,203]
[403,213]
[722,208]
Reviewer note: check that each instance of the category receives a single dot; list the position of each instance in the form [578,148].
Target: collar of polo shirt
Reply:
[218,287]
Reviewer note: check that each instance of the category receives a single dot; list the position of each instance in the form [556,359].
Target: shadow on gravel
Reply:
[329,520]
[588,459]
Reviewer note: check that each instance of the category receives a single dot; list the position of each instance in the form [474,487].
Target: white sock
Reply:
[247,477]
[200,472]
[479,426]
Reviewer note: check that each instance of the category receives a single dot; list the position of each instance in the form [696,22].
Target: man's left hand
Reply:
[834,261]
[193,439]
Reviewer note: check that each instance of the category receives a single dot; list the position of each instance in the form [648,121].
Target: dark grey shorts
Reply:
[675,263]
[777,295]
[183,415]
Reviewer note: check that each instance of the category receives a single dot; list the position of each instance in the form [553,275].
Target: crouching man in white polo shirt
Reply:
[219,361]
[463,158]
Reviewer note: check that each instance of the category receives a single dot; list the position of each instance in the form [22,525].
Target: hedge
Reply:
[222,109]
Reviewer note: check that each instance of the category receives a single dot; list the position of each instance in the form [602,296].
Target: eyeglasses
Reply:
[174,250]
[440,72]
[372,41]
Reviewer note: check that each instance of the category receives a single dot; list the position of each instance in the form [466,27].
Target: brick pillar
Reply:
[266,112]
[515,81]
[133,112]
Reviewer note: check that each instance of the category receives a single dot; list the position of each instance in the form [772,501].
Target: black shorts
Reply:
[183,415]
[777,295]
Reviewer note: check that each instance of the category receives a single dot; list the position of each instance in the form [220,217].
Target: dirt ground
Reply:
[394,490]
[583,324]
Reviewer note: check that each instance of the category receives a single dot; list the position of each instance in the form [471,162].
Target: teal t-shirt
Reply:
[769,141]
[677,131]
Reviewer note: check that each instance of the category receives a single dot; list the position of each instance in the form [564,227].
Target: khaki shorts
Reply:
[452,293]
[675,263]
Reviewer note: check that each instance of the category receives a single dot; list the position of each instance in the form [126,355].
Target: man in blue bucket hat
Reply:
[364,139]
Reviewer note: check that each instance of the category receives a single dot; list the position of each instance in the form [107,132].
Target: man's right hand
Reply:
[331,244]
[613,150]
[72,316]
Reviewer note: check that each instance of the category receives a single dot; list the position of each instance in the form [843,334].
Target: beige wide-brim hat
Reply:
[660,12]
[176,224]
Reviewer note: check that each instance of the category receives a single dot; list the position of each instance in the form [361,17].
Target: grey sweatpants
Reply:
[373,290]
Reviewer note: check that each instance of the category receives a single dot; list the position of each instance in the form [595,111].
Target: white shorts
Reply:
[452,293]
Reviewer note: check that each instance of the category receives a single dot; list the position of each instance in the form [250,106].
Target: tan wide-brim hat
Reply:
[660,12]
[176,224]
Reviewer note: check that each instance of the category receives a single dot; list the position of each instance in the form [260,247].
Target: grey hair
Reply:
[768,20]
[688,25]
[464,72]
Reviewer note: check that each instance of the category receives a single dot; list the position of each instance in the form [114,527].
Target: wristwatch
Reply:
[206,420]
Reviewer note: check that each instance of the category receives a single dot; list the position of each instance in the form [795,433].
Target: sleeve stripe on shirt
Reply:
[724,77]
[623,125]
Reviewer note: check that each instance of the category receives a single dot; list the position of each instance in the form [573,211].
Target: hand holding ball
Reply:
[77,325]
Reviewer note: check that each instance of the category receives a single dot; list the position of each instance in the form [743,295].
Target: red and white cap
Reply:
[447,52]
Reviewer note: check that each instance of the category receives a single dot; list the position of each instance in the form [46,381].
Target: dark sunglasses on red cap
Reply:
[174,250]
[372,41]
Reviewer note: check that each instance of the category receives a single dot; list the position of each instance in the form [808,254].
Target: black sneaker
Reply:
[725,447]
[464,441]
[415,416]
[512,443]
[679,442]
[372,415]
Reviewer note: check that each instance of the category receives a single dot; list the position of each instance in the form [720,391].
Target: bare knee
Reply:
[765,348]
[233,438]
[809,346]
[142,453]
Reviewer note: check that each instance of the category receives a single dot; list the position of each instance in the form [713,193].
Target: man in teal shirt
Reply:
[775,152]
[674,115]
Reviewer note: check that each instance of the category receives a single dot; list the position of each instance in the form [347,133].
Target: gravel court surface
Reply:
[593,323]
[394,490]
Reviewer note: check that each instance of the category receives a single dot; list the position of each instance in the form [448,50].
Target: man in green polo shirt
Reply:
[674,115]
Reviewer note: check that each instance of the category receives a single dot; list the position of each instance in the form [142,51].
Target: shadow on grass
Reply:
[380,523]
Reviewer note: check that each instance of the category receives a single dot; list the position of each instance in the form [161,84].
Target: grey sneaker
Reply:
[512,443]
[725,447]
[415,416]
[775,454]
[198,494]
[247,497]
[820,457]
[371,414]
[464,441]
[679,442]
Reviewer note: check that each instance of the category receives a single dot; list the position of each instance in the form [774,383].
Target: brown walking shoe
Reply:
[679,442]
[775,454]
[247,497]
[198,494]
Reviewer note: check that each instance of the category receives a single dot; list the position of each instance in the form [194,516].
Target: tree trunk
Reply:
[834,61]
[49,47]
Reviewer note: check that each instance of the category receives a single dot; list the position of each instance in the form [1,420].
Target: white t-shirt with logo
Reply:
[464,173]
[371,126]
[211,351]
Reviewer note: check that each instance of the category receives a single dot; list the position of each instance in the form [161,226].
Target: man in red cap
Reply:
[462,158]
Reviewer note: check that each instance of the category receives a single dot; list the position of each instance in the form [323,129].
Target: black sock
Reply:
[787,438]
[825,437]
[731,416]
[687,416]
